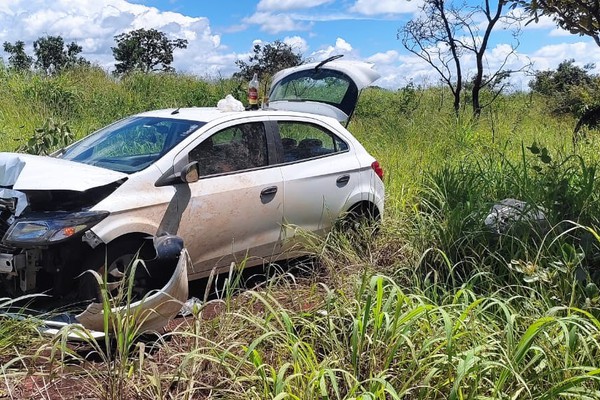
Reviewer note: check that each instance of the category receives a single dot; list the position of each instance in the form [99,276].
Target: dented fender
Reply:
[135,208]
[117,225]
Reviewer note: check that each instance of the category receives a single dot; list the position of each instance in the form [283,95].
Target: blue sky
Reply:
[219,32]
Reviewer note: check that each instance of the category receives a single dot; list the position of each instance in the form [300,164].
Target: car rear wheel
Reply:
[362,218]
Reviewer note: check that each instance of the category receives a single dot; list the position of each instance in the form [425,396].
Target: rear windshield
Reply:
[131,144]
[325,86]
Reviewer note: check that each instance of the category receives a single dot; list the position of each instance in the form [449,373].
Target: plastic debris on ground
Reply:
[189,305]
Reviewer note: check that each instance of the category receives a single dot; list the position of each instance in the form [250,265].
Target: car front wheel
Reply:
[118,266]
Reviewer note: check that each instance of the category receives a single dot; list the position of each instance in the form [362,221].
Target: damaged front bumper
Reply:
[149,314]
[39,250]
[152,312]
[46,242]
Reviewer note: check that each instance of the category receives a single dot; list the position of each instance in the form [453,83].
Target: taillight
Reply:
[377,168]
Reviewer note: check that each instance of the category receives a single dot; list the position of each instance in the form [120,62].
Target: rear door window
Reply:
[302,141]
[322,85]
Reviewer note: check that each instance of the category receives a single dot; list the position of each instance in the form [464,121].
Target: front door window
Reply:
[237,148]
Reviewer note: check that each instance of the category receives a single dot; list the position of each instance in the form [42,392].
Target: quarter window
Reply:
[236,148]
[302,141]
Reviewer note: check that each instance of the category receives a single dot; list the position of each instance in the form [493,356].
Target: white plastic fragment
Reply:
[508,212]
[154,311]
[229,103]
[188,306]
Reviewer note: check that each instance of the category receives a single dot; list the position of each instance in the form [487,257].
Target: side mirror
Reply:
[190,173]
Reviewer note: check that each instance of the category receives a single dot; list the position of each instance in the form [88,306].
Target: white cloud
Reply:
[543,22]
[341,47]
[559,32]
[93,24]
[298,44]
[405,69]
[399,69]
[276,23]
[388,57]
[279,5]
[375,7]
[548,57]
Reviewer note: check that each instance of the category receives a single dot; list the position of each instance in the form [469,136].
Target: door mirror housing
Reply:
[190,173]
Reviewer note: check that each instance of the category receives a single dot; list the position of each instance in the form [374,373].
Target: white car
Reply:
[232,184]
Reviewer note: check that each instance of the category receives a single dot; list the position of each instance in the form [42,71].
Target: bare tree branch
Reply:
[444,33]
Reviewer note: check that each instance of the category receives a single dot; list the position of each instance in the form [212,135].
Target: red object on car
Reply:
[377,168]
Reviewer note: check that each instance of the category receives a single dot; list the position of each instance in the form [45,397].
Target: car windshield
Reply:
[131,144]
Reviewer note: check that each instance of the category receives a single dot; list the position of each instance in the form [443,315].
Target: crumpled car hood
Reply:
[30,172]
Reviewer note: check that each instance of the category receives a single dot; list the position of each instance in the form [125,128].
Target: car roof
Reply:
[202,114]
[210,114]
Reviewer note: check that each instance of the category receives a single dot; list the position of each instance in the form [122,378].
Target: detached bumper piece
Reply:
[151,313]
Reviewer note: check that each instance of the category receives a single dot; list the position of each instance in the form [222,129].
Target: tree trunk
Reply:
[455,56]
[457,101]
[477,82]
[475,103]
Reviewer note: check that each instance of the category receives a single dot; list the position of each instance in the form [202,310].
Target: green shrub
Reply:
[55,94]
[48,138]
[569,88]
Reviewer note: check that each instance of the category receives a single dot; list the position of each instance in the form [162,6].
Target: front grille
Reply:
[4,225]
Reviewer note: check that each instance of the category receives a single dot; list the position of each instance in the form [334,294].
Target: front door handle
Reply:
[271,190]
[342,180]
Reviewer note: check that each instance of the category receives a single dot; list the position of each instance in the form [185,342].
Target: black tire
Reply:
[362,219]
[118,256]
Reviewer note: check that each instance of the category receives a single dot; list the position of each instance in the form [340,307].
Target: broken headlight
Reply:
[48,228]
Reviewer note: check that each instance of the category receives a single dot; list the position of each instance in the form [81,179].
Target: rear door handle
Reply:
[342,180]
[271,190]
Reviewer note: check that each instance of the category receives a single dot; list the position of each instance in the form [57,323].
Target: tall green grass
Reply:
[376,340]
[435,306]
[88,98]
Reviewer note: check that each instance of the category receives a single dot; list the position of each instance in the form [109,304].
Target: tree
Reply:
[145,50]
[580,17]
[18,59]
[569,88]
[445,33]
[52,56]
[567,75]
[267,59]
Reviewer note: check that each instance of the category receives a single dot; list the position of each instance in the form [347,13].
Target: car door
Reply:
[319,174]
[235,209]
